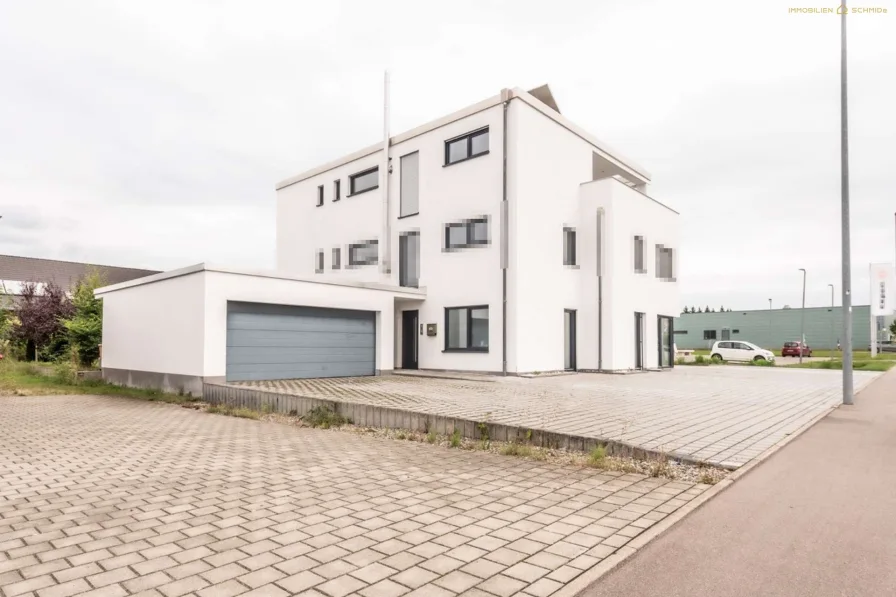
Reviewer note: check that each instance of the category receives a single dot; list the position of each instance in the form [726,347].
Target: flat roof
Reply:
[205,267]
[506,95]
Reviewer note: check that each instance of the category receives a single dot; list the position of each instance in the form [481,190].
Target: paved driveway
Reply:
[725,415]
[112,497]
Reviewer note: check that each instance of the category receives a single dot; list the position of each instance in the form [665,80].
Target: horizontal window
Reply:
[709,334]
[679,332]
[363,253]
[466,329]
[466,147]
[466,233]
[364,181]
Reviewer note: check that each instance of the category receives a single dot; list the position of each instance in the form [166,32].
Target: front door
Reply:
[569,333]
[409,325]
[664,328]
[639,340]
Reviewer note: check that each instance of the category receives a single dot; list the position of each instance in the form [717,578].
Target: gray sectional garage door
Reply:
[284,342]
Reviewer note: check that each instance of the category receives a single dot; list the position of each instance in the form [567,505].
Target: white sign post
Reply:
[883,286]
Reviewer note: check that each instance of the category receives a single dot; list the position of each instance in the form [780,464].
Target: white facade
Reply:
[550,168]
[534,181]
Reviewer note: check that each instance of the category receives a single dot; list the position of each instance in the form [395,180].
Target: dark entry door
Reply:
[639,340]
[409,325]
[664,340]
[569,332]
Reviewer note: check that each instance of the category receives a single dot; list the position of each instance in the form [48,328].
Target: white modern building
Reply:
[501,238]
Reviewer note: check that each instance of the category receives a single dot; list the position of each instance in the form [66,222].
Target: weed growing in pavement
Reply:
[660,467]
[597,455]
[401,435]
[515,449]
[455,438]
[707,479]
[229,411]
[325,418]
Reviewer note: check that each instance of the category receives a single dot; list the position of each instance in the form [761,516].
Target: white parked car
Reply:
[731,350]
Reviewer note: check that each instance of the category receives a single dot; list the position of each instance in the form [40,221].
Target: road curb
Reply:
[581,583]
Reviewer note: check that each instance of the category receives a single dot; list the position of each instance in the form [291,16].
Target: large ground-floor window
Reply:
[466,329]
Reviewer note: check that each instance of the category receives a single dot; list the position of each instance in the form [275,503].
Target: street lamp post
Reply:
[803,317]
[770,322]
[844,219]
[832,321]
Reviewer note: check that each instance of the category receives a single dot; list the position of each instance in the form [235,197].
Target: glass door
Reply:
[569,334]
[639,340]
[664,326]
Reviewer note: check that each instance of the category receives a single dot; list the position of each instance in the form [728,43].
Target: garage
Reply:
[285,342]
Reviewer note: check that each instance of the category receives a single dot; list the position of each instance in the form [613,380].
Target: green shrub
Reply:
[324,417]
[699,359]
[455,438]
[431,436]
[597,455]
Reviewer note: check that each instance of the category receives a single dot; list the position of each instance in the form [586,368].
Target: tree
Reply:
[893,328]
[40,313]
[707,309]
[85,326]
[722,310]
[699,310]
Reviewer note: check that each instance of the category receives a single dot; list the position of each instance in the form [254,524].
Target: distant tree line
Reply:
[708,309]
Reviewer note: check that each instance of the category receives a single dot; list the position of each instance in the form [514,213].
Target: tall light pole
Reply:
[844,219]
[803,317]
[770,321]
[832,321]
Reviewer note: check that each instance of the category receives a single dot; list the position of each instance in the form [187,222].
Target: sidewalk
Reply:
[818,518]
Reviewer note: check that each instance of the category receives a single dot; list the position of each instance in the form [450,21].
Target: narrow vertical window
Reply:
[639,255]
[320,195]
[337,258]
[337,190]
[410,184]
[569,246]
[319,262]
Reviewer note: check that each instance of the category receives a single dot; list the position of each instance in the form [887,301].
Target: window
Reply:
[337,258]
[409,259]
[467,233]
[319,262]
[466,329]
[709,334]
[639,255]
[363,253]
[410,185]
[677,332]
[364,181]
[735,331]
[320,195]
[337,184]
[466,147]
[664,263]
[600,243]
[569,246]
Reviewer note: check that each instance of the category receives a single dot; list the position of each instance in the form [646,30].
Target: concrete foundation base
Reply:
[166,382]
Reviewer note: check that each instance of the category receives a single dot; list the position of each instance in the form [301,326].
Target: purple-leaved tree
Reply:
[40,312]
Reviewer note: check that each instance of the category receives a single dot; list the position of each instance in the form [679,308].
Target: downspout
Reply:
[505,227]
[386,243]
[600,289]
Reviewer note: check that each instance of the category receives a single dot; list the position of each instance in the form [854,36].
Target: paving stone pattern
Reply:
[725,415]
[108,497]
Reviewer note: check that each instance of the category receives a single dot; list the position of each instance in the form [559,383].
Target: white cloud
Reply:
[152,134]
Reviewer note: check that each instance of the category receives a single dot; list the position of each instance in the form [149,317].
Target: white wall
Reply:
[548,164]
[465,190]
[156,327]
[629,213]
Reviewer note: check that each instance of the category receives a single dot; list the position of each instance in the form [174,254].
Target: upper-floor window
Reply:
[337,258]
[363,253]
[569,246]
[709,334]
[639,255]
[664,263]
[337,190]
[466,233]
[466,147]
[364,181]
[320,195]
[319,261]
[410,185]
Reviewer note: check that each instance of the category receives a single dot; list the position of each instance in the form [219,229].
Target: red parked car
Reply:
[792,349]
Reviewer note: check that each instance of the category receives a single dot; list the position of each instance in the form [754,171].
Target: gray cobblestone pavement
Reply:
[109,497]
[725,415]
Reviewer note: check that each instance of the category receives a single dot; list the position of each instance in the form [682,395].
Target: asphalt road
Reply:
[817,519]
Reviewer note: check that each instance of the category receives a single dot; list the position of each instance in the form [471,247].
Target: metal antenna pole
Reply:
[844,219]
[803,317]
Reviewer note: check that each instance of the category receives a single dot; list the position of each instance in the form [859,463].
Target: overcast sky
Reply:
[151,134]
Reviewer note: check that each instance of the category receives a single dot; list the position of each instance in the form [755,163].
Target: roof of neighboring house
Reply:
[64,273]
